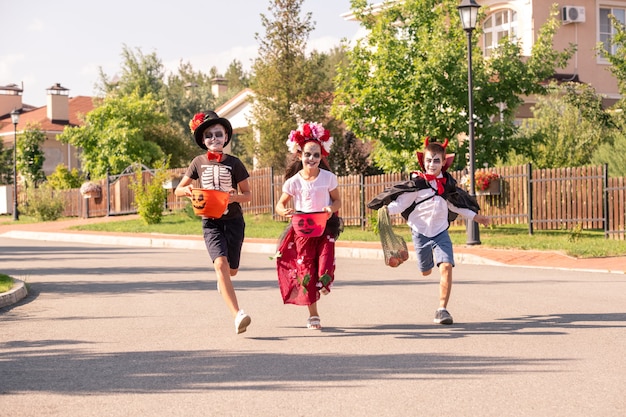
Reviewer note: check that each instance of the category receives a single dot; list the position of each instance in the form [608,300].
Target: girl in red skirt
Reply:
[306,265]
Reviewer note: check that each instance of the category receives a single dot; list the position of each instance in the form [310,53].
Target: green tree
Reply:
[6,164]
[614,154]
[567,127]
[140,74]
[188,92]
[408,80]
[237,78]
[64,179]
[288,85]
[183,95]
[117,134]
[30,156]
[350,156]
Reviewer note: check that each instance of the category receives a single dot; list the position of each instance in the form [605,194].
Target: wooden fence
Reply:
[543,199]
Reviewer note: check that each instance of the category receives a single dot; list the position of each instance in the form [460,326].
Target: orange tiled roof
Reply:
[79,105]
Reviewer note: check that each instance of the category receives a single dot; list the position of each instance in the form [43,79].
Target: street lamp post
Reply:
[15,118]
[468,10]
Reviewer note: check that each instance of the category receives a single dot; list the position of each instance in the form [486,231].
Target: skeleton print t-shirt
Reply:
[223,176]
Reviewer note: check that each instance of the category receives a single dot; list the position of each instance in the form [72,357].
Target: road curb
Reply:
[268,248]
[15,294]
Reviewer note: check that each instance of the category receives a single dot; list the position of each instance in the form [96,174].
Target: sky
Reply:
[45,42]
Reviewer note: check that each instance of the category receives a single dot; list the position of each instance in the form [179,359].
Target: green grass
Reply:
[577,243]
[6,283]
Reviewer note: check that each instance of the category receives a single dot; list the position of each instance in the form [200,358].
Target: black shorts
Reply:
[224,238]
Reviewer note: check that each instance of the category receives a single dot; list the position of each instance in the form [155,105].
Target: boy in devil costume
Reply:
[428,202]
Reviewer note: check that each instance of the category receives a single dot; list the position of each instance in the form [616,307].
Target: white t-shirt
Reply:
[311,196]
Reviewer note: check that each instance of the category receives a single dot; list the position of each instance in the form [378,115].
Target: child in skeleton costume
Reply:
[223,236]
[306,265]
[426,202]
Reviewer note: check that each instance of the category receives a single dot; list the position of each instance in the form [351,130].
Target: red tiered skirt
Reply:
[302,264]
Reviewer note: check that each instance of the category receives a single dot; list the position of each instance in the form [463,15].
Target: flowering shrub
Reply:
[482,180]
[90,188]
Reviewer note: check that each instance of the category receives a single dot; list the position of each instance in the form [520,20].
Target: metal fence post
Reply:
[108,182]
[605,199]
[362,202]
[529,168]
[272,199]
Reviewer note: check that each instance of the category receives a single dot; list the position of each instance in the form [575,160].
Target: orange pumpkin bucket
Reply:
[209,203]
[309,224]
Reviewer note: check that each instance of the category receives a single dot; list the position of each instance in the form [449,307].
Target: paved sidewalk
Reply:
[59,230]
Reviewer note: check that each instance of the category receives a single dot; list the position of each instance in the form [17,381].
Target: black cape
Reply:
[452,193]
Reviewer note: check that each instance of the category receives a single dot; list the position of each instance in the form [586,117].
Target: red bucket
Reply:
[209,203]
[309,224]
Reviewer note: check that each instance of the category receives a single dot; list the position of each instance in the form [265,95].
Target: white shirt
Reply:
[430,217]
[311,196]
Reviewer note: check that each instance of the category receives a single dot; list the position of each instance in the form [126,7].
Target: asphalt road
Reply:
[130,331]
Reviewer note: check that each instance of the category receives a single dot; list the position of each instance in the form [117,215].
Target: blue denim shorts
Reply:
[425,247]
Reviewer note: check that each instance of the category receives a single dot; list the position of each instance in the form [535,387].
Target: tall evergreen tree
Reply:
[288,85]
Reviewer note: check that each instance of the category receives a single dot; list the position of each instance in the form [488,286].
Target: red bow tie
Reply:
[215,156]
[441,181]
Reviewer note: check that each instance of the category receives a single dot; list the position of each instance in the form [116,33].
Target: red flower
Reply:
[196,121]
[306,131]
[482,179]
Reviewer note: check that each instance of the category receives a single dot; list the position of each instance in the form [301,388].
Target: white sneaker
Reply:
[242,321]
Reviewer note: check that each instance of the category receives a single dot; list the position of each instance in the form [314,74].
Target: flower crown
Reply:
[197,120]
[310,132]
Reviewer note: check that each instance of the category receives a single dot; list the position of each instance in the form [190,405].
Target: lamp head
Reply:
[468,10]
[15,116]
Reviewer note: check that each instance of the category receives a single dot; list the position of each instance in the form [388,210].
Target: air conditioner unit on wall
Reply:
[573,14]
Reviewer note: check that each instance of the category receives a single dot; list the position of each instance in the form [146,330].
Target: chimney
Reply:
[58,109]
[219,86]
[189,87]
[10,98]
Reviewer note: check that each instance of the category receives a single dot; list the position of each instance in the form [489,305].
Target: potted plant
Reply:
[485,182]
[91,190]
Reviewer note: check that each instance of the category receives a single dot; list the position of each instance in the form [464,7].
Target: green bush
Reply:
[188,210]
[64,179]
[150,196]
[44,204]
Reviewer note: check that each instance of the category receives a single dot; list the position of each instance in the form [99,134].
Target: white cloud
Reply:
[7,63]
[37,25]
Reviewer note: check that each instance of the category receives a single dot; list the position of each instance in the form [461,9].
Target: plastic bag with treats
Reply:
[394,247]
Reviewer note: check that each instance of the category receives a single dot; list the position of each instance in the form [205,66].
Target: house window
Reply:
[501,24]
[606,29]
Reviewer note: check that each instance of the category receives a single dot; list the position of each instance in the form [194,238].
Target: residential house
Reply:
[585,23]
[60,111]
[238,111]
